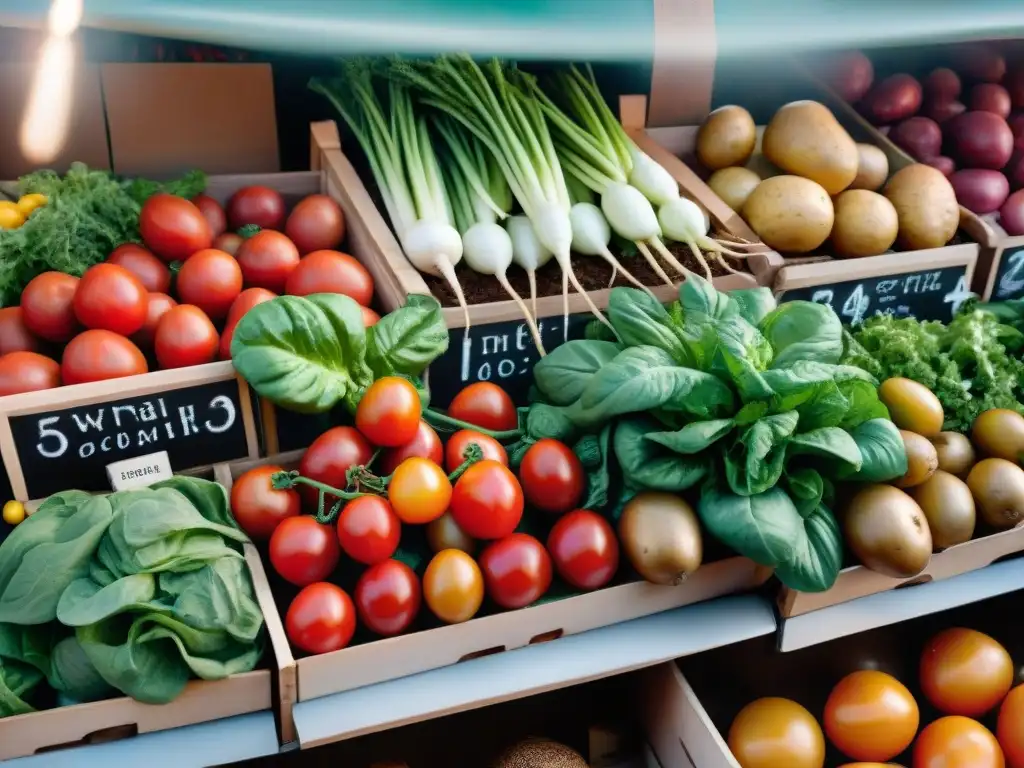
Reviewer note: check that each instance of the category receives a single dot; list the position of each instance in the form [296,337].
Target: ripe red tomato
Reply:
[388,597]
[173,228]
[47,305]
[99,355]
[453,586]
[964,672]
[455,451]
[425,444]
[370,318]
[553,478]
[321,619]
[957,742]
[27,372]
[184,337]
[871,716]
[257,205]
[258,507]
[389,412]
[110,298]
[444,533]
[331,272]
[328,459]
[210,280]
[14,334]
[151,272]
[485,405]
[1010,728]
[584,548]
[776,733]
[368,530]
[229,242]
[419,491]
[157,305]
[212,212]
[266,259]
[316,223]
[487,502]
[246,300]
[303,551]
[517,570]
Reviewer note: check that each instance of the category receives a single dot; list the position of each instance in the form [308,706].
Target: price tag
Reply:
[1009,281]
[140,471]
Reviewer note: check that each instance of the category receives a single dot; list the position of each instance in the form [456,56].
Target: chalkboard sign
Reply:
[58,449]
[500,352]
[283,430]
[925,294]
[1009,282]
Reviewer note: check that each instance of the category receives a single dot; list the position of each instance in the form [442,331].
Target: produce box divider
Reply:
[1000,272]
[678,728]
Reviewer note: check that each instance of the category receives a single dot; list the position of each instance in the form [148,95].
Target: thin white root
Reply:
[727,267]
[531,275]
[646,253]
[712,245]
[530,322]
[617,267]
[445,267]
[700,259]
[735,240]
[668,256]
[565,305]
[590,302]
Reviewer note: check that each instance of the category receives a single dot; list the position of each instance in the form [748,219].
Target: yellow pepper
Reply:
[28,203]
[14,512]
[11,216]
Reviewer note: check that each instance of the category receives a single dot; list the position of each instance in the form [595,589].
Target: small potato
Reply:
[805,139]
[926,206]
[865,224]
[872,168]
[734,185]
[790,213]
[726,138]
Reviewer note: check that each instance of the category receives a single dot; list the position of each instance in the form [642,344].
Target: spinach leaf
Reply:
[803,331]
[640,320]
[647,465]
[74,675]
[765,527]
[754,303]
[86,602]
[828,442]
[755,461]
[17,680]
[564,373]
[209,499]
[806,487]
[594,452]
[863,403]
[883,455]
[694,437]
[409,339]
[814,565]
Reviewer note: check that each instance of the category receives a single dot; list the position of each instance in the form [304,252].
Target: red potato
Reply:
[941,111]
[990,97]
[895,98]
[316,224]
[14,334]
[850,74]
[1011,215]
[1016,123]
[212,212]
[942,84]
[980,190]
[943,164]
[227,242]
[980,140]
[980,62]
[920,136]
[1014,84]
[1014,170]
[257,205]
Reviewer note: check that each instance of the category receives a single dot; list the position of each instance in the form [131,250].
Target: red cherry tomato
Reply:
[455,451]
[485,405]
[258,507]
[389,412]
[110,298]
[257,205]
[47,305]
[27,372]
[321,619]
[1010,727]
[425,444]
[151,272]
[173,228]
[584,548]
[487,501]
[388,597]
[100,355]
[229,242]
[14,334]
[212,212]
[331,272]
[553,478]
[246,300]
[157,305]
[370,318]
[185,336]
[328,459]
[303,551]
[419,491]
[210,280]
[368,530]
[517,570]
[266,259]
[316,223]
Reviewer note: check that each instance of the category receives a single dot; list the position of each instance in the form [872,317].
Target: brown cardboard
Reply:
[87,134]
[168,118]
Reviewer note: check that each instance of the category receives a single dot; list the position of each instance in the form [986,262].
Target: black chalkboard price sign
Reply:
[283,430]
[503,353]
[1009,279]
[64,438]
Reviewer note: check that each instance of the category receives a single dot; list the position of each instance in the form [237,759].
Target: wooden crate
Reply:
[1000,272]
[390,658]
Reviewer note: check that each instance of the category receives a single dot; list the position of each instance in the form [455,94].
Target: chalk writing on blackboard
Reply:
[1009,283]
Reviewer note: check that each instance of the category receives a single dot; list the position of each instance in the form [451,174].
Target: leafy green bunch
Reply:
[133,592]
[738,397]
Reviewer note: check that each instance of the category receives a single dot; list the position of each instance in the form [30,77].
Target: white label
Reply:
[140,471]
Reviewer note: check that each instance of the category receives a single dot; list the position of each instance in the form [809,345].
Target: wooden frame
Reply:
[678,728]
[991,270]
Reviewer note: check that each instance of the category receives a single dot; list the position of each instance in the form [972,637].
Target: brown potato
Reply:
[926,206]
[734,185]
[726,138]
[865,224]
[872,168]
[804,138]
[790,214]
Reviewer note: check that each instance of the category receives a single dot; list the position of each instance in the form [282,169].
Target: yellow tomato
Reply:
[14,512]
[28,203]
[10,216]
[419,491]
[776,733]
[870,716]
[453,586]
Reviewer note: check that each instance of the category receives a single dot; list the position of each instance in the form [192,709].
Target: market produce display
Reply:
[131,593]
[965,676]
[171,283]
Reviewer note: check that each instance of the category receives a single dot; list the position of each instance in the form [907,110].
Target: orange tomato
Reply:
[871,716]
[870,765]
[389,412]
[964,672]
[1010,728]
[453,586]
[776,733]
[419,491]
[957,742]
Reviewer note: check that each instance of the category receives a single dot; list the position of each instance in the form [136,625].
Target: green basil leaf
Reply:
[864,405]
[827,407]
[544,420]
[803,331]
[408,339]
[806,487]
[565,371]
[703,305]
[830,443]
[694,437]
[754,303]
[883,455]
[648,466]
[598,475]
[766,527]
[641,320]
[815,563]
[755,461]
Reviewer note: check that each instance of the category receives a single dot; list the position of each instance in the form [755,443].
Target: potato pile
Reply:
[811,183]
